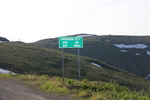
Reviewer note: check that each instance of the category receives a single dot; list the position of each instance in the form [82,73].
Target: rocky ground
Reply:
[16,90]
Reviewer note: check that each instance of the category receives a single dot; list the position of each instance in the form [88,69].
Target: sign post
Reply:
[79,62]
[62,64]
[70,42]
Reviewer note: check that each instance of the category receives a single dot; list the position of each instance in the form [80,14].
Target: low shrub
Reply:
[56,87]
[85,94]
[70,82]
[84,80]
[98,97]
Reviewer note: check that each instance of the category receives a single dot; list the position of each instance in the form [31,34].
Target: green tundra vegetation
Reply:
[23,58]
[81,90]
[102,48]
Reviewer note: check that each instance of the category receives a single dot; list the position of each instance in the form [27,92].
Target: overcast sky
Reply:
[33,20]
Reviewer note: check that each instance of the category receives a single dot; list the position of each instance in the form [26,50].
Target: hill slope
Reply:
[130,53]
[2,39]
[23,58]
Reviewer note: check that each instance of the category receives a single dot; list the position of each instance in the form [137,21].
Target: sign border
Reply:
[69,47]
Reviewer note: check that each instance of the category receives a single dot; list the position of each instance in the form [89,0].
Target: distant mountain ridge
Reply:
[130,53]
[2,39]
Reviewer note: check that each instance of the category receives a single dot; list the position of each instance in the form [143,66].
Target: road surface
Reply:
[16,90]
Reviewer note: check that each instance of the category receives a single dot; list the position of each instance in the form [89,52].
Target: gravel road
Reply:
[16,90]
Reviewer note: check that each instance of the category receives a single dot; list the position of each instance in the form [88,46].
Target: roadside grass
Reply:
[80,90]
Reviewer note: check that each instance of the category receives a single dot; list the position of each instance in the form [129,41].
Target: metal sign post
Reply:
[79,62]
[62,64]
[70,42]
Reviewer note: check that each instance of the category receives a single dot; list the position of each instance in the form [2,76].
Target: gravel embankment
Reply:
[16,90]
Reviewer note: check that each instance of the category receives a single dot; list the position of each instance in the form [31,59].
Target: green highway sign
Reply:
[70,42]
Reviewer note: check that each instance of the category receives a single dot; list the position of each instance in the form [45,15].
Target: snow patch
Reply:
[84,35]
[123,50]
[148,53]
[137,46]
[148,75]
[6,71]
[96,65]
[137,54]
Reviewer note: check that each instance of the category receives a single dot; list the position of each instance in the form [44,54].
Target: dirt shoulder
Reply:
[15,90]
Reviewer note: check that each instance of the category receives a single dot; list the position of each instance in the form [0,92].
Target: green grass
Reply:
[23,58]
[81,90]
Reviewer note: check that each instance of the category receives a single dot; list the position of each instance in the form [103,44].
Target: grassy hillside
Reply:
[102,48]
[23,58]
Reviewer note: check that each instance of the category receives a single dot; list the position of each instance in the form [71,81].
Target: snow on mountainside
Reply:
[96,65]
[136,46]
[148,76]
[89,35]
[123,50]
[137,54]
[148,53]
[6,71]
